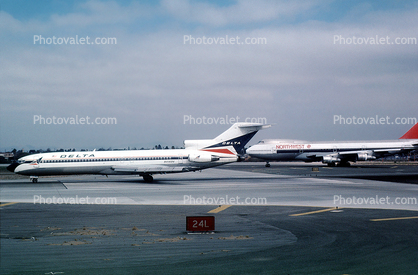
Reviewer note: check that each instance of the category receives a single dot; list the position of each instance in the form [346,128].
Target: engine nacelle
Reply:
[202,157]
[365,156]
[330,159]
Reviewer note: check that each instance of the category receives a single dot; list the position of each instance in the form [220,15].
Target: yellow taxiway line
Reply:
[314,212]
[393,219]
[7,203]
[219,209]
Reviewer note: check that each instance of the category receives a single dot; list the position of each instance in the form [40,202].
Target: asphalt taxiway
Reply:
[279,221]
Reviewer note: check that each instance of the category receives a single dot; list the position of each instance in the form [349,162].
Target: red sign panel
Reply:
[201,223]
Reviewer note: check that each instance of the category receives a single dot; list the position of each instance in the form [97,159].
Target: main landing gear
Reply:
[267,164]
[148,178]
[33,179]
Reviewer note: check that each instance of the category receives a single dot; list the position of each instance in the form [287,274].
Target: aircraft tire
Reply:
[344,164]
[148,178]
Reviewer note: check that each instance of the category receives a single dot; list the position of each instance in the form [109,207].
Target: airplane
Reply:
[333,153]
[197,155]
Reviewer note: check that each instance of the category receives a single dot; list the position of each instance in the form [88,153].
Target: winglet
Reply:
[412,133]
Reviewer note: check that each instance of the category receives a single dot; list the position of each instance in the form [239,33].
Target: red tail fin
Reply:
[412,133]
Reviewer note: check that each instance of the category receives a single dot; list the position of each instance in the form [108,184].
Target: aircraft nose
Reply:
[12,167]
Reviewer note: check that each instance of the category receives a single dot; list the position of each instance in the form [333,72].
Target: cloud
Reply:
[102,13]
[150,80]
[241,12]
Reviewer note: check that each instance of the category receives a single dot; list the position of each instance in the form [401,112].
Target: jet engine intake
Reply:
[202,157]
[330,159]
[365,156]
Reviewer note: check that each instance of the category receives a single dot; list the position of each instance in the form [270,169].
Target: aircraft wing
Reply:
[316,157]
[358,154]
[390,151]
[345,156]
[148,169]
[349,153]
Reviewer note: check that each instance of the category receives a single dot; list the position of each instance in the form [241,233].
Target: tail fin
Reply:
[237,136]
[412,133]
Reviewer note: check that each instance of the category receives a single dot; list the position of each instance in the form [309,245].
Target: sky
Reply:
[315,70]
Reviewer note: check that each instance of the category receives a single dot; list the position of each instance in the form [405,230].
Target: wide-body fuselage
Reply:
[291,150]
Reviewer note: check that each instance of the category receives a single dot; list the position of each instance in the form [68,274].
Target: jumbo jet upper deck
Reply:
[333,152]
[197,155]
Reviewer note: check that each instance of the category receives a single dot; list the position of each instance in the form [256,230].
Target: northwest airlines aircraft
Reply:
[197,155]
[333,152]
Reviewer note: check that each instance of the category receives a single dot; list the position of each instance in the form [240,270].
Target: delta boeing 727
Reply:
[333,152]
[197,155]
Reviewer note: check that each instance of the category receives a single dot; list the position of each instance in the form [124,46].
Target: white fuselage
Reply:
[121,162]
[329,151]
[199,154]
